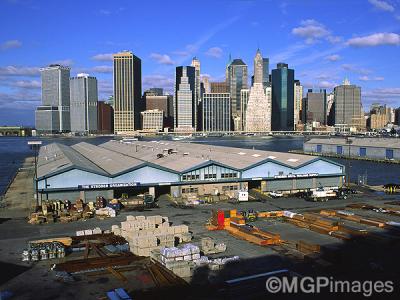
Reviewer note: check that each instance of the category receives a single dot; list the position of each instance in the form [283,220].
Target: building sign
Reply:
[297,175]
[106,185]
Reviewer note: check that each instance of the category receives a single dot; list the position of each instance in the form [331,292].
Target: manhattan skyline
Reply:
[323,42]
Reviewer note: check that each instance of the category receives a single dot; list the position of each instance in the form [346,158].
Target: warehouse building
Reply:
[374,148]
[158,167]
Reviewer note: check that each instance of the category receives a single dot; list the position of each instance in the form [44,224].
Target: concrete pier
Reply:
[19,197]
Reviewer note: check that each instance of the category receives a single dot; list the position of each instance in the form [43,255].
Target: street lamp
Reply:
[348,143]
[35,146]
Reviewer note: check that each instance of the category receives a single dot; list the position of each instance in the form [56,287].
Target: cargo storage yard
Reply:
[96,247]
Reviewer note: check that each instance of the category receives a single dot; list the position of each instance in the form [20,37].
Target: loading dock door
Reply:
[389,153]
[319,148]
[363,152]
[339,150]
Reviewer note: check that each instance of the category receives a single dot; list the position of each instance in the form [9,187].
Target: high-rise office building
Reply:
[83,99]
[219,87]
[282,98]
[196,64]
[153,120]
[185,105]
[154,91]
[216,112]
[258,110]
[105,118]
[397,116]
[316,106]
[244,100]
[164,103]
[265,71]
[53,116]
[298,96]
[127,92]
[348,108]
[237,80]
[205,80]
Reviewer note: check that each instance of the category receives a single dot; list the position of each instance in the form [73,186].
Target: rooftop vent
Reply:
[271,157]
[292,159]
[256,155]
[185,153]
[241,153]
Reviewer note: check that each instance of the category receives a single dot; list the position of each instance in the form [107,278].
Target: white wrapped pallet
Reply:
[130,218]
[88,232]
[80,233]
[289,214]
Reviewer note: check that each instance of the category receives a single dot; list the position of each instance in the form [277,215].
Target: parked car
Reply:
[275,194]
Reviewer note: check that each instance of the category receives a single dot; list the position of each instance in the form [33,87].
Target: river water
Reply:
[13,151]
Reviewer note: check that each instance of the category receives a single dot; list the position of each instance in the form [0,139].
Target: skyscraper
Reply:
[265,71]
[258,110]
[163,103]
[53,116]
[348,108]
[237,80]
[298,97]
[244,100]
[282,98]
[83,94]
[316,106]
[105,118]
[127,92]
[216,112]
[185,108]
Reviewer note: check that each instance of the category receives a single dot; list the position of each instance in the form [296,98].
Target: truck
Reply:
[139,202]
[320,194]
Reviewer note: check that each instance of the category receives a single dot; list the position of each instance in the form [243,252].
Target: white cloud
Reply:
[326,84]
[157,80]
[355,69]
[367,78]
[63,62]
[102,69]
[22,99]
[19,71]
[162,59]
[376,39]
[334,39]
[214,52]
[333,57]
[104,12]
[10,44]
[311,30]
[27,84]
[103,57]
[382,5]
[105,87]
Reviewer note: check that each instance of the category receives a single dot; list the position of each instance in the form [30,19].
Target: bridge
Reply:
[15,131]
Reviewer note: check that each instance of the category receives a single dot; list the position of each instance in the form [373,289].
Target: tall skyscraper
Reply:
[258,110]
[163,103]
[244,100]
[316,106]
[185,105]
[205,80]
[282,98]
[237,80]
[53,116]
[127,92]
[216,112]
[298,97]
[219,87]
[83,98]
[348,108]
[265,71]
[105,118]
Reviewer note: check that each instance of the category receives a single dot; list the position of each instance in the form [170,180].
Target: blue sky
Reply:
[324,41]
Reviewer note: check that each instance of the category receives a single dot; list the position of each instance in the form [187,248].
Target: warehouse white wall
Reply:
[147,175]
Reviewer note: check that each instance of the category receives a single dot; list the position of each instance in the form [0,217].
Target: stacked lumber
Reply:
[145,234]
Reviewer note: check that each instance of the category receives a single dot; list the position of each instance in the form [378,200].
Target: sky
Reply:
[323,41]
